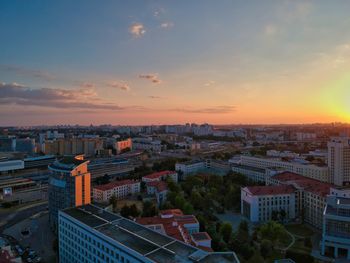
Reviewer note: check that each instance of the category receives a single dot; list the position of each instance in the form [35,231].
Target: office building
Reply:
[336,224]
[339,160]
[7,144]
[89,234]
[259,203]
[25,145]
[309,170]
[69,185]
[310,195]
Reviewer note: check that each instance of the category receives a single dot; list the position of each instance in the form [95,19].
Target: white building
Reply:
[306,136]
[190,167]
[90,234]
[259,202]
[160,176]
[120,189]
[336,224]
[309,170]
[147,144]
[339,160]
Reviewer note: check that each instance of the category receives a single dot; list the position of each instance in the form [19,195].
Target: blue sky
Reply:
[138,62]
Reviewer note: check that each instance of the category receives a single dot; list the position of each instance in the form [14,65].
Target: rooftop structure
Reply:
[109,236]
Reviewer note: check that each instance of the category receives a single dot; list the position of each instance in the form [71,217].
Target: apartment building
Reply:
[160,176]
[123,145]
[90,234]
[119,189]
[73,146]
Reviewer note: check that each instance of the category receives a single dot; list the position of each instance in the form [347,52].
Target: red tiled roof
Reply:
[271,189]
[308,184]
[173,226]
[160,185]
[174,212]
[112,185]
[158,174]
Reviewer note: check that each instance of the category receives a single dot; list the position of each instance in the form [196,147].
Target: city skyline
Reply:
[162,62]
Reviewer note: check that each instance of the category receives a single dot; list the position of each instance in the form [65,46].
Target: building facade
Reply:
[119,189]
[69,186]
[320,173]
[336,224]
[259,203]
[339,160]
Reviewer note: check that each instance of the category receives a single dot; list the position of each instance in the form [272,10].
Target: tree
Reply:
[274,215]
[265,248]
[187,209]
[113,201]
[243,232]
[283,215]
[179,202]
[272,231]
[129,211]
[149,209]
[226,231]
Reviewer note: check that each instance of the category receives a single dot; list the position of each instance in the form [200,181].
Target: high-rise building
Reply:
[90,234]
[7,144]
[336,225]
[69,185]
[339,160]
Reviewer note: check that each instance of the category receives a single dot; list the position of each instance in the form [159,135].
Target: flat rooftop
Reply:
[151,244]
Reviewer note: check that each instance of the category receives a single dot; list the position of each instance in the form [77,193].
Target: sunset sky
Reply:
[167,62]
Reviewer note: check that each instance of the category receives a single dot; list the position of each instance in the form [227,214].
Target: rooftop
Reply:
[114,184]
[67,163]
[271,189]
[308,184]
[158,174]
[149,243]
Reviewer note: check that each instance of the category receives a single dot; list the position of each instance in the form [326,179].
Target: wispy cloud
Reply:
[88,85]
[155,97]
[122,85]
[83,98]
[209,110]
[166,25]
[209,83]
[22,71]
[137,29]
[151,77]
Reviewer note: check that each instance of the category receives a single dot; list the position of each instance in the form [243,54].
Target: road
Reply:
[15,217]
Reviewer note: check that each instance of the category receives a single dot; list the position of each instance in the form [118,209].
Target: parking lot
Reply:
[32,239]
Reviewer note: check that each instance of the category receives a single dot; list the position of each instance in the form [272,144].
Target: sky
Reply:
[166,62]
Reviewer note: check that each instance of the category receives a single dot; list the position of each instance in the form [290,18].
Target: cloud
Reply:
[158,12]
[210,110]
[83,98]
[137,29]
[152,77]
[166,25]
[28,72]
[155,97]
[270,30]
[88,85]
[209,83]
[122,85]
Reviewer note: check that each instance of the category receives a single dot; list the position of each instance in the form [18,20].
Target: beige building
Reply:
[73,146]
[339,160]
[309,170]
